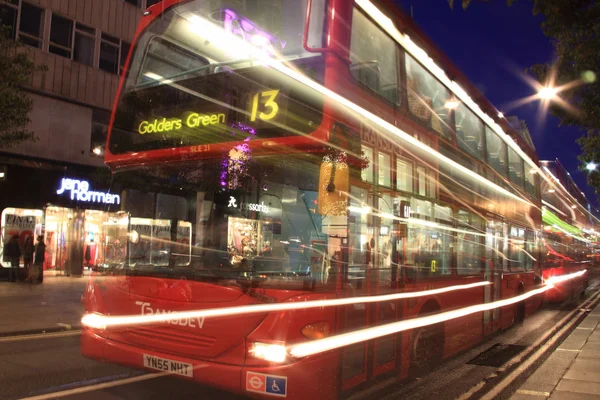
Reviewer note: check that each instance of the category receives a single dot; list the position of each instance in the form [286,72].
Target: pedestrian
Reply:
[38,261]
[12,251]
[28,257]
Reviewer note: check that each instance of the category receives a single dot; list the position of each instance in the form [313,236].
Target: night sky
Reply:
[492,44]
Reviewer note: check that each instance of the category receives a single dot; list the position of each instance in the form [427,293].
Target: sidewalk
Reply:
[50,306]
[573,369]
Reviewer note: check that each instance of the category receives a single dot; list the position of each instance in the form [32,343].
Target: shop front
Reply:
[68,206]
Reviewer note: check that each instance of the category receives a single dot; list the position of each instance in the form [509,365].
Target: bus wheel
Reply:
[427,349]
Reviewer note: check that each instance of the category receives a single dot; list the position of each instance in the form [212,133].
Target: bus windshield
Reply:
[237,218]
[187,84]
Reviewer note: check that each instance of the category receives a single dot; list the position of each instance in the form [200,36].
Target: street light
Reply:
[591,166]
[547,93]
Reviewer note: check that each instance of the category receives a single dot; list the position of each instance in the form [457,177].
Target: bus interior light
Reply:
[269,352]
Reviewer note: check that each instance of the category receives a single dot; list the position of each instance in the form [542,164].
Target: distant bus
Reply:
[352,166]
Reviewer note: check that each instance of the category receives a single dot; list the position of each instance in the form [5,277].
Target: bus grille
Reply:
[169,336]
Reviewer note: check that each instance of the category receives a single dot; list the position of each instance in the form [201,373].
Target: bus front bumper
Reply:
[312,377]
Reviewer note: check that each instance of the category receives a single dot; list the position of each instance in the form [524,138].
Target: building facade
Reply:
[57,186]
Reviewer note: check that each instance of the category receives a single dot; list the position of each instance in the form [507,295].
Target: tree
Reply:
[15,71]
[574,28]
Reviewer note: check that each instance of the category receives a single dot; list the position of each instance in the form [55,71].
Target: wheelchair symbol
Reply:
[274,387]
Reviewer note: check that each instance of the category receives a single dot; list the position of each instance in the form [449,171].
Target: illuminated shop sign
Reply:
[80,191]
[193,120]
[248,206]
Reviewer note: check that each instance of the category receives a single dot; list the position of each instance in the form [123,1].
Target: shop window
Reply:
[21,223]
[386,208]
[496,151]
[373,57]
[84,44]
[30,25]
[469,131]
[431,179]
[125,46]
[404,175]
[515,168]
[61,36]
[428,99]
[100,120]
[443,214]
[424,183]
[8,18]
[531,181]
[385,169]
[367,173]
[109,54]
[470,251]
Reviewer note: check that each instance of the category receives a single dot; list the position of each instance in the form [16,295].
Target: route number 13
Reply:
[267,104]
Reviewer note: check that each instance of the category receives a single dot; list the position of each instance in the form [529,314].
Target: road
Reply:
[51,363]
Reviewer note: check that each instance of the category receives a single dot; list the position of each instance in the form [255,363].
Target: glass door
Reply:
[494,267]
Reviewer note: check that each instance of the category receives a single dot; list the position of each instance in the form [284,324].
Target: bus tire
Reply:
[427,349]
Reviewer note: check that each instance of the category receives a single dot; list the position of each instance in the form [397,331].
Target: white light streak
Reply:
[99,321]
[335,342]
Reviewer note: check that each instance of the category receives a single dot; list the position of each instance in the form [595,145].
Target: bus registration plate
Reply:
[172,366]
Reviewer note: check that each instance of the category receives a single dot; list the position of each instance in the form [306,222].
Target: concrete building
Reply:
[84,44]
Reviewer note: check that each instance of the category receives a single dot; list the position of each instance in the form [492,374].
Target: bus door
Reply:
[369,274]
[383,281]
[494,266]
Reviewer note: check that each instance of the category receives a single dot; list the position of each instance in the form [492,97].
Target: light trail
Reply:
[99,321]
[346,339]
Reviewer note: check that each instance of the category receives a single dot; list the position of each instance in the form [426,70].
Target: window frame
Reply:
[450,133]
[390,168]
[29,36]
[411,177]
[487,153]
[397,50]
[371,164]
[522,164]
[105,39]
[77,30]
[17,10]
[71,35]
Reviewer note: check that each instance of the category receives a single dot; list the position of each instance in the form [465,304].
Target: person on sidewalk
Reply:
[28,249]
[38,262]
[12,251]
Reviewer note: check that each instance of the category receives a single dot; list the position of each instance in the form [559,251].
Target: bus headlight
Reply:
[269,352]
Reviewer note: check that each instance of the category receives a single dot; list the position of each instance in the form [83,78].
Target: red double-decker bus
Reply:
[300,181]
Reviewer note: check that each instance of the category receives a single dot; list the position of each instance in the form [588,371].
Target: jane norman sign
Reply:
[80,191]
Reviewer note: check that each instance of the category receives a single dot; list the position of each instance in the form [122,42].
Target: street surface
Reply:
[42,364]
